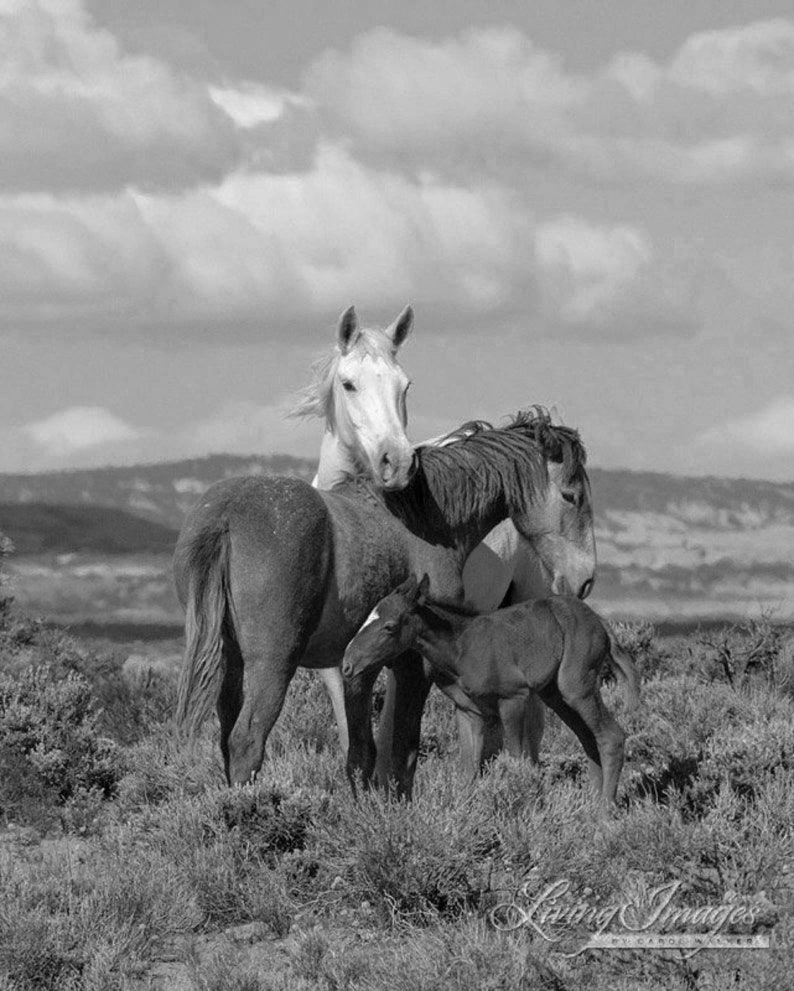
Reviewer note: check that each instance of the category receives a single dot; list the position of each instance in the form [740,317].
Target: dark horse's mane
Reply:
[462,475]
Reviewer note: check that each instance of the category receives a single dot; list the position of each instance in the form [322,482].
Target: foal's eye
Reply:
[348,386]
[389,628]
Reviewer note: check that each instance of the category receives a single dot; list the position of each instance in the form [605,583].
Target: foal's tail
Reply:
[623,664]
[208,624]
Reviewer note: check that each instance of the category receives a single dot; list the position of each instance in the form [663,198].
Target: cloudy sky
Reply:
[590,205]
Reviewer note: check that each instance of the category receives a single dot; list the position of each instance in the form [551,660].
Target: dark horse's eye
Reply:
[348,386]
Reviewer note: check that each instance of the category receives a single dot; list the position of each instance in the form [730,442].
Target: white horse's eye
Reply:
[569,497]
[348,386]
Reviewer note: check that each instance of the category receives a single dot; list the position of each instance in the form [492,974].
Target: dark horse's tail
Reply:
[208,625]
[624,665]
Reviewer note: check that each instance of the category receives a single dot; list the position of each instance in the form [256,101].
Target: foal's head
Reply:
[390,629]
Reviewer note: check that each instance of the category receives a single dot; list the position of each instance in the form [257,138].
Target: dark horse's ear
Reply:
[347,330]
[401,327]
[422,589]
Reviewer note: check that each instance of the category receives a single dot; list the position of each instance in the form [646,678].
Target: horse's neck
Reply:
[468,535]
[438,641]
[336,464]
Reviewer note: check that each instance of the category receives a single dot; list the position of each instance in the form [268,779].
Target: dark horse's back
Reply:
[282,518]
[257,510]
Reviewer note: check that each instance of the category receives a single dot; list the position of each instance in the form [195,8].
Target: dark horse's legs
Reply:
[277,583]
[400,730]
[230,697]
[270,661]
[361,743]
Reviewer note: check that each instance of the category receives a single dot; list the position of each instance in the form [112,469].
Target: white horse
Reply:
[360,390]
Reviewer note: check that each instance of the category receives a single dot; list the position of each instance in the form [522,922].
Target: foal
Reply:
[488,664]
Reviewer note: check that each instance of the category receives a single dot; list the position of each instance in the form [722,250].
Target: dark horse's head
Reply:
[534,471]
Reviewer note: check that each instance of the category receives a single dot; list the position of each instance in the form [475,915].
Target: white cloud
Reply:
[757,57]
[78,429]
[251,104]
[490,101]
[768,431]
[90,436]
[607,279]
[589,266]
[274,252]
[249,428]
[261,247]
[78,113]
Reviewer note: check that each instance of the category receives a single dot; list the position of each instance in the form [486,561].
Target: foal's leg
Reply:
[554,700]
[528,583]
[492,742]
[533,723]
[334,684]
[512,713]
[473,735]
[577,680]
[610,740]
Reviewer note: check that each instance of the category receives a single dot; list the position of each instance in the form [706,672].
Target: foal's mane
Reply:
[316,399]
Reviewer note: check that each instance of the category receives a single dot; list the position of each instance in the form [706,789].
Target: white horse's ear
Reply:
[422,589]
[401,327]
[347,330]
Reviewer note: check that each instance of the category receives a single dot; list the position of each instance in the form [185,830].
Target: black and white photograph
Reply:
[396,495]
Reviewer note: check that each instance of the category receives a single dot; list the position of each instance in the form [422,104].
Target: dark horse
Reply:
[275,574]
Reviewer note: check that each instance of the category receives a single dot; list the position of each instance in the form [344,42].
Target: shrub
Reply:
[737,652]
[128,708]
[51,752]
[415,862]
[6,547]
[264,822]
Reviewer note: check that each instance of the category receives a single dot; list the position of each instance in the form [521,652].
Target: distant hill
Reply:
[706,501]
[668,546]
[162,493]
[35,528]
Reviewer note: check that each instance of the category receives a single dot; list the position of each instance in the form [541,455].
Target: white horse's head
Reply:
[360,391]
[368,412]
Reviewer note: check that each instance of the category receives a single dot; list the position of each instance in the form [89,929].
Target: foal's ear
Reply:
[401,327]
[347,330]
[422,589]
